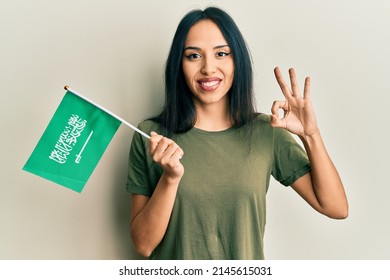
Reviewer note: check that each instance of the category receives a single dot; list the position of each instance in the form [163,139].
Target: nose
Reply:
[209,65]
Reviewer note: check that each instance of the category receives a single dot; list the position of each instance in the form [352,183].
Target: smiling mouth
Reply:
[209,84]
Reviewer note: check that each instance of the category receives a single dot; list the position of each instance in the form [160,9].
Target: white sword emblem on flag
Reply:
[78,156]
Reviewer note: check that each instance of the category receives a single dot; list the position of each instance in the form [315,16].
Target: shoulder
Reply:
[148,126]
[261,123]
[263,118]
[262,128]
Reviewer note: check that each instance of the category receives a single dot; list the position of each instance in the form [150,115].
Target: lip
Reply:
[209,84]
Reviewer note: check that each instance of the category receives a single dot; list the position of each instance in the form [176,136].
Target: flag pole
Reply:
[108,112]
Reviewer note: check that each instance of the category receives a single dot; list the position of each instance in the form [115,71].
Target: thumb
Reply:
[275,121]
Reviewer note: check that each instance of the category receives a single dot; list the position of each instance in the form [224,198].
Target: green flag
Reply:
[73,143]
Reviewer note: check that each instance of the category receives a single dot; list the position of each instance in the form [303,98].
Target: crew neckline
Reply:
[200,131]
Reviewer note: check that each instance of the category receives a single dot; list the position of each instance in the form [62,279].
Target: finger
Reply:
[162,146]
[276,121]
[170,150]
[153,141]
[279,105]
[178,153]
[283,86]
[172,156]
[306,90]
[294,83]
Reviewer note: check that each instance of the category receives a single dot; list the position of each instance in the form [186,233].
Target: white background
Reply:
[114,53]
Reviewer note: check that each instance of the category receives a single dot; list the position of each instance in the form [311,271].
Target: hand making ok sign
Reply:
[299,117]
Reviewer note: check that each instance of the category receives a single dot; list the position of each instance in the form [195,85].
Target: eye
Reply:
[222,54]
[192,56]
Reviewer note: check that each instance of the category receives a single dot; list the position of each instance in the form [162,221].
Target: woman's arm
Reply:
[150,215]
[322,187]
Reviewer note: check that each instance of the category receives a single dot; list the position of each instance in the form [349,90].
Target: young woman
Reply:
[199,184]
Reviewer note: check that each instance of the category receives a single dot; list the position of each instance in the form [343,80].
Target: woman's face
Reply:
[207,64]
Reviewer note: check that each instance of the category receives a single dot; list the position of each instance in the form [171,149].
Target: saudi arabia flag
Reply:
[73,142]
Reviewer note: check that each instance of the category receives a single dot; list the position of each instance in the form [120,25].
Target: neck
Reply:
[212,118]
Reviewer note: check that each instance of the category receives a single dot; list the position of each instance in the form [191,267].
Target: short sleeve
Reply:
[290,159]
[138,179]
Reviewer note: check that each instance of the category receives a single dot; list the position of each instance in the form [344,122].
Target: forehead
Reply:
[205,33]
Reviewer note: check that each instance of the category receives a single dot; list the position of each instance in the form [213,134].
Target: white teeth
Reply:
[210,84]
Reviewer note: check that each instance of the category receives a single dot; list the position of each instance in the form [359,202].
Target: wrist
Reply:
[312,138]
[169,179]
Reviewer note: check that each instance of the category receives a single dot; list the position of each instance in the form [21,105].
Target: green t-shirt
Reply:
[220,207]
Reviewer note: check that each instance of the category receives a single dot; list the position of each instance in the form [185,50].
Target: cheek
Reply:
[232,69]
[189,73]
[229,70]
[231,76]
[187,79]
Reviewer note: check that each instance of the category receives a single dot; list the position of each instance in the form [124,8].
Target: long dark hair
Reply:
[178,114]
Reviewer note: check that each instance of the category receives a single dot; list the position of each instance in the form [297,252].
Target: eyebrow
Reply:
[197,48]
